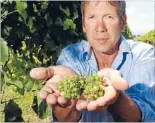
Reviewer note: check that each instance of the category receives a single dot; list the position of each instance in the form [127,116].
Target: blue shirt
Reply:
[135,60]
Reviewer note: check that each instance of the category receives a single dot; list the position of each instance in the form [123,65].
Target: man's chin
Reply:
[101,50]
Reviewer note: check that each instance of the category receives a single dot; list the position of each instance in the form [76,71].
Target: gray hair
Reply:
[122,6]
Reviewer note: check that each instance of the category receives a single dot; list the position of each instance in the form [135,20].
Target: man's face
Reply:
[102,25]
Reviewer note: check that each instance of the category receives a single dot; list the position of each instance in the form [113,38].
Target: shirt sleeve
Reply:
[69,59]
[146,102]
[143,91]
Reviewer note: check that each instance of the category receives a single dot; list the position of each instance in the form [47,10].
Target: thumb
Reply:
[119,83]
[42,73]
[115,79]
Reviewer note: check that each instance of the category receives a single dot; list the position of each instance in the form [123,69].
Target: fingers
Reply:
[109,97]
[54,98]
[51,99]
[63,101]
[92,105]
[42,73]
[53,83]
[44,92]
[57,100]
[81,105]
[50,87]
[84,104]
[89,105]
[64,70]
[119,83]
[115,78]
[51,93]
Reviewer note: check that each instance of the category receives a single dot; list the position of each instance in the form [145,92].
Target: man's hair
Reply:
[122,7]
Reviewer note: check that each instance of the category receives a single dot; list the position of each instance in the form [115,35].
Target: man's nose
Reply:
[100,25]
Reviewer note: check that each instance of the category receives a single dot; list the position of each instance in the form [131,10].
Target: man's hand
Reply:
[53,75]
[113,85]
[62,107]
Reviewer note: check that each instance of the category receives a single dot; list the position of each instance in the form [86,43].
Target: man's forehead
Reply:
[96,2]
[92,4]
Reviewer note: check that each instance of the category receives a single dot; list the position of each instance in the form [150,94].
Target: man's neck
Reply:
[105,60]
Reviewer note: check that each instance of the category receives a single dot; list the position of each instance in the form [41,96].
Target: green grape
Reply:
[89,88]
[70,87]
[94,87]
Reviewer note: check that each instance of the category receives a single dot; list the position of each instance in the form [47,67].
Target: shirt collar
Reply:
[124,46]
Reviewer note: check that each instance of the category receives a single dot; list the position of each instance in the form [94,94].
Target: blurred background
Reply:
[33,34]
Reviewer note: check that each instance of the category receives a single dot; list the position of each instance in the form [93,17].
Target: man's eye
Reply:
[110,17]
[90,17]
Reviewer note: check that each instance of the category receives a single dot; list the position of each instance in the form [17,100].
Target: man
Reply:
[107,52]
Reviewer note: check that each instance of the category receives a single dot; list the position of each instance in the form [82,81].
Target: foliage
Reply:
[4,51]
[15,72]
[127,32]
[149,37]
[19,108]
[51,24]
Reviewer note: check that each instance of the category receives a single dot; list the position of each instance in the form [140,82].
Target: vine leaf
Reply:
[75,15]
[4,51]
[30,24]
[35,8]
[65,10]
[21,6]
[68,23]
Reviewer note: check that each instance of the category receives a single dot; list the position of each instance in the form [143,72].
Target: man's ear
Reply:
[83,27]
[124,22]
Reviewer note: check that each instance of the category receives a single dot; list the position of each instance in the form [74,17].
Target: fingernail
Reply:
[33,73]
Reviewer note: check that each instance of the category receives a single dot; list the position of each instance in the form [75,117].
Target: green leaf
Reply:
[23,47]
[65,10]
[4,15]
[18,84]
[59,21]
[68,23]
[30,23]
[35,8]
[75,16]
[6,30]
[44,5]
[36,59]
[4,52]
[21,6]
[29,86]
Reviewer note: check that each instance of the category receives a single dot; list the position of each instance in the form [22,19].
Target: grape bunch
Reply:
[93,87]
[70,87]
[84,87]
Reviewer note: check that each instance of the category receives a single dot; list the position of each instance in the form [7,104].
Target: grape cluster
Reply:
[94,87]
[70,87]
[76,87]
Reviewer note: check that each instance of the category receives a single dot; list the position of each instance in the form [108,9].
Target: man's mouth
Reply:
[101,38]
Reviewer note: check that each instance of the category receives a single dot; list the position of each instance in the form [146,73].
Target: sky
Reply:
[140,16]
